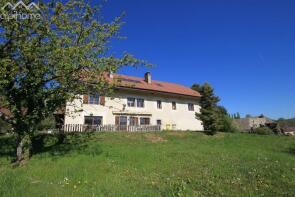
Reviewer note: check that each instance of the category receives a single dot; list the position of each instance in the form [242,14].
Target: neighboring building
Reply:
[250,123]
[138,101]
[289,130]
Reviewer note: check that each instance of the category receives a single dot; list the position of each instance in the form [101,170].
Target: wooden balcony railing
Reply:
[108,128]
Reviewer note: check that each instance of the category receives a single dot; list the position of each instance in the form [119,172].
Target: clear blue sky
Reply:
[244,48]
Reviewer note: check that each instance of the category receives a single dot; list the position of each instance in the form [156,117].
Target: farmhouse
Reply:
[250,123]
[137,104]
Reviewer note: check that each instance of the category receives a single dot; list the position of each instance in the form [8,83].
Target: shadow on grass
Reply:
[7,144]
[77,143]
[50,144]
[291,151]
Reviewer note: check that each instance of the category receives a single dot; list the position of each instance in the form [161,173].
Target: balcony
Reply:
[109,128]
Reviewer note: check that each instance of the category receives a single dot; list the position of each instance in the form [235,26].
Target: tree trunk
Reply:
[61,137]
[23,149]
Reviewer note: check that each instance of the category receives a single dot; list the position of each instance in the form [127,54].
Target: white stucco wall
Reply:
[181,118]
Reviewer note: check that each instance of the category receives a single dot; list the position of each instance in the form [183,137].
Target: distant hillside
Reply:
[286,122]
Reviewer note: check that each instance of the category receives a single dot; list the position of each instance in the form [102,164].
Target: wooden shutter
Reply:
[102,100]
[136,121]
[117,120]
[85,99]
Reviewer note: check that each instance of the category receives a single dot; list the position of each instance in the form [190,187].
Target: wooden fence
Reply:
[110,128]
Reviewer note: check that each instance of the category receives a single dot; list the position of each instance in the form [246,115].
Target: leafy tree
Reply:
[4,126]
[46,62]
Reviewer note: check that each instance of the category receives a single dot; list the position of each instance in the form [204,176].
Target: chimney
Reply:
[148,77]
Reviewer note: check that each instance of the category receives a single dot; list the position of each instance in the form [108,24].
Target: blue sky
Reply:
[244,48]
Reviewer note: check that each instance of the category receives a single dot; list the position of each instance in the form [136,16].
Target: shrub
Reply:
[48,123]
[4,126]
[228,125]
[263,131]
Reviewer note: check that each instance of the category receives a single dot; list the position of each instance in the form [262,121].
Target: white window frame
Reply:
[128,102]
[92,99]
[138,102]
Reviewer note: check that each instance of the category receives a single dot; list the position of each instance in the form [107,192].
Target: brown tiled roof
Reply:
[289,129]
[158,86]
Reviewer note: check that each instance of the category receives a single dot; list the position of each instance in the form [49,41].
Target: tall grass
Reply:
[154,164]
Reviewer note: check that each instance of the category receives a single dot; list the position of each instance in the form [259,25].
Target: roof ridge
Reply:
[156,81]
[156,85]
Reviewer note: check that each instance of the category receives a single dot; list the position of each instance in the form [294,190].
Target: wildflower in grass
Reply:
[75,186]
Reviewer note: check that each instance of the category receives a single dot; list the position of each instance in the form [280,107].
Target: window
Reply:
[159,122]
[140,102]
[93,99]
[133,121]
[144,121]
[131,102]
[159,104]
[174,105]
[191,107]
[93,120]
[121,120]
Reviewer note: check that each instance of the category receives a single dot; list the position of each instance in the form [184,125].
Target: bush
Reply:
[228,125]
[47,123]
[4,126]
[263,131]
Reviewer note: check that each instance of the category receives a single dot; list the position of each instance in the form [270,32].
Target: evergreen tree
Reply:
[238,116]
[210,113]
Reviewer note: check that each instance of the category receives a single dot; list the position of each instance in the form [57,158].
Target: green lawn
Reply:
[154,164]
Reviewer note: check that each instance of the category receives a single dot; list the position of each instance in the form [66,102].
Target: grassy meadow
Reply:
[153,164]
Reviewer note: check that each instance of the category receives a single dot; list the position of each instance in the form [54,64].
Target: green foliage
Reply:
[286,122]
[263,131]
[236,115]
[214,118]
[46,62]
[4,126]
[209,114]
[125,164]
[228,125]
[47,123]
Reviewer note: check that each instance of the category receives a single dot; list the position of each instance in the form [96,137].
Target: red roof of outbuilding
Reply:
[158,86]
